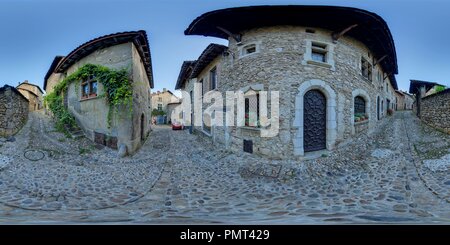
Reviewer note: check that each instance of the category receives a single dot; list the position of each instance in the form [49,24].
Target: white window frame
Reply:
[243,49]
[328,50]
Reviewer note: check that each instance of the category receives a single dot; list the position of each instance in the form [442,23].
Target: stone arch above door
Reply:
[331,114]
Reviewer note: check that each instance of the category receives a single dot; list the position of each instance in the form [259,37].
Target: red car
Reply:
[177,126]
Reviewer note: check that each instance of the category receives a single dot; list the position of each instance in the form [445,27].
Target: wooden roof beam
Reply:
[236,37]
[336,35]
[379,60]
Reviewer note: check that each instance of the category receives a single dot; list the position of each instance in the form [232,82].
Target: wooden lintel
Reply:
[337,35]
[387,75]
[380,59]
[236,37]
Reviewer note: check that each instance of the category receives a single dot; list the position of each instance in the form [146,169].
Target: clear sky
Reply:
[32,32]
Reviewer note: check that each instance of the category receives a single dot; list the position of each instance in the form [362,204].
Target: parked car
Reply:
[177,126]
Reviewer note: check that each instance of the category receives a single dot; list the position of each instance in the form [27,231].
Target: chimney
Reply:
[26,81]
[164,90]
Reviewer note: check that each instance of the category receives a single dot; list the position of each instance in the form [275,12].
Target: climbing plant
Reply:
[117,90]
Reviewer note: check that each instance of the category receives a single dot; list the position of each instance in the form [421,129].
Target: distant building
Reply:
[125,50]
[162,100]
[33,93]
[13,111]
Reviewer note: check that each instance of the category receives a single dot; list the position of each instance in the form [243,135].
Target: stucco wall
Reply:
[141,102]
[435,110]
[280,65]
[163,98]
[52,80]
[13,111]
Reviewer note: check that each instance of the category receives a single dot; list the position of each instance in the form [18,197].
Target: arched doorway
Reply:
[142,127]
[378,108]
[315,120]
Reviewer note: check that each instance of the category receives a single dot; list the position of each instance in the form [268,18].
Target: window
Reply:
[159,107]
[379,76]
[387,88]
[308,30]
[213,78]
[366,69]
[159,99]
[319,52]
[360,109]
[89,88]
[201,87]
[249,49]
[252,109]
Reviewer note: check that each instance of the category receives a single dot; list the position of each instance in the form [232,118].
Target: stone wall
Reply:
[435,110]
[281,64]
[13,111]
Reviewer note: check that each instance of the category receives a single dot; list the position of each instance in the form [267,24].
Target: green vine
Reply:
[117,91]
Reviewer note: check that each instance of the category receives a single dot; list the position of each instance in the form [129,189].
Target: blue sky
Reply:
[32,32]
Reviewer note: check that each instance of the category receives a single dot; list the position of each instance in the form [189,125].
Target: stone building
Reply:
[160,100]
[334,68]
[170,108]
[126,50]
[33,93]
[13,111]
[404,100]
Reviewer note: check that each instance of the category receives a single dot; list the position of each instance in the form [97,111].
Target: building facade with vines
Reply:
[334,69]
[104,87]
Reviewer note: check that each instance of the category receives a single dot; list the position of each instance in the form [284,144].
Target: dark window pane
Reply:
[360,105]
[213,78]
[93,88]
[316,56]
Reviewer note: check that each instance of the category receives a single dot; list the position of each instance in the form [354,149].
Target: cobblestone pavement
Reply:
[397,175]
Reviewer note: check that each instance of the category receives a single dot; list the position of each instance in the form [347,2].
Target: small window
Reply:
[319,52]
[89,88]
[366,69]
[252,110]
[159,99]
[159,107]
[308,30]
[213,78]
[360,109]
[85,90]
[387,88]
[201,87]
[249,49]
[93,88]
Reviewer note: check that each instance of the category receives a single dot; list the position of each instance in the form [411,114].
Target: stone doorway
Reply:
[315,115]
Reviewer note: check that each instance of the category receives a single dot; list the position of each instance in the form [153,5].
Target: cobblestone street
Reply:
[399,175]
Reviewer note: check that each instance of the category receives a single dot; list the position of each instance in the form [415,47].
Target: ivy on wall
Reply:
[117,91]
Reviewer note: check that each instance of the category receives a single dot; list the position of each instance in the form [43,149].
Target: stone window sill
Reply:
[318,63]
[361,122]
[91,97]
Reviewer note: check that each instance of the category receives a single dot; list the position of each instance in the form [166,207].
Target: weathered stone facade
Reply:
[13,111]
[33,93]
[129,127]
[280,59]
[435,110]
